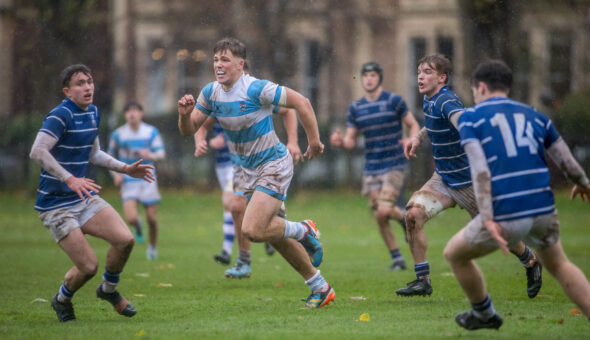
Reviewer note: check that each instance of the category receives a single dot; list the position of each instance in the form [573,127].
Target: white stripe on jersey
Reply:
[59,119]
[374,161]
[82,130]
[73,162]
[526,212]
[450,157]
[451,171]
[521,193]
[49,133]
[443,130]
[74,147]
[393,135]
[486,140]
[449,143]
[519,173]
[492,159]
[57,205]
[379,126]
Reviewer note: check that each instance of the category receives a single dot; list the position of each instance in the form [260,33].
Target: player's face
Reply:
[80,90]
[429,81]
[133,116]
[370,81]
[228,69]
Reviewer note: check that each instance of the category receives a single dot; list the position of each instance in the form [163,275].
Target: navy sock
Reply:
[526,257]
[484,310]
[422,270]
[396,256]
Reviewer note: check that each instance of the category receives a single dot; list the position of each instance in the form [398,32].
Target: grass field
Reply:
[184,295]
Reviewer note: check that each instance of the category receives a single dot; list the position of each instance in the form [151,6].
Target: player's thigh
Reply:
[471,242]
[552,256]
[260,210]
[431,199]
[79,250]
[130,209]
[392,183]
[109,226]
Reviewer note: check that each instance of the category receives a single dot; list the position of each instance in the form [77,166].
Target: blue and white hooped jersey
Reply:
[450,159]
[514,137]
[245,114]
[381,124]
[126,145]
[222,156]
[75,130]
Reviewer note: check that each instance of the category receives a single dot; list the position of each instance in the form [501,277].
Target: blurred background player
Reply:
[450,183]
[68,202]
[133,141]
[379,116]
[505,142]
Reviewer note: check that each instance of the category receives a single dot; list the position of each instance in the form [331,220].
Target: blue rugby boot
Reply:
[311,243]
[239,271]
[320,299]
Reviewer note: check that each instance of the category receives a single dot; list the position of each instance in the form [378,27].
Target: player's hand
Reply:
[138,170]
[82,186]
[410,146]
[584,193]
[295,152]
[217,142]
[118,180]
[336,138]
[186,104]
[495,231]
[201,148]
[314,149]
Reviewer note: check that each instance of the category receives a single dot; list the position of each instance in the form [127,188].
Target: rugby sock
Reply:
[244,256]
[229,232]
[109,281]
[138,227]
[294,230]
[396,256]
[527,257]
[484,310]
[422,271]
[317,283]
[64,294]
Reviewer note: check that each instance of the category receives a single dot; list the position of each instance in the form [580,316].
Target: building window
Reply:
[156,79]
[417,51]
[560,70]
[445,46]
[194,69]
[313,62]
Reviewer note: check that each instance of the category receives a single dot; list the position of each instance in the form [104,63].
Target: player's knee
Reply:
[89,269]
[252,235]
[415,218]
[448,253]
[383,213]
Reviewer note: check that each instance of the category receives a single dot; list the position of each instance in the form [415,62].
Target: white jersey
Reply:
[126,144]
[245,114]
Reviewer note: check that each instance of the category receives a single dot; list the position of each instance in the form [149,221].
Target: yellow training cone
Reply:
[365,317]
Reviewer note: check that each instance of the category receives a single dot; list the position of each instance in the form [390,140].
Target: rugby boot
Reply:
[239,271]
[311,243]
[64,310]
[534,278]
[418,287]
[470,322]
[320,299]
[121,305]
[224,258]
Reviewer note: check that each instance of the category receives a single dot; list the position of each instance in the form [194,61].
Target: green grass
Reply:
[201,303]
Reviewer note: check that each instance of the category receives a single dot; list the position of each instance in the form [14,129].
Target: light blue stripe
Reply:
[255,89]
[253,161]
[234,109]
[271,193]
[275,101]
[249,134]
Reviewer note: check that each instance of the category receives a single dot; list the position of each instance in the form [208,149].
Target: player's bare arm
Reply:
[348,141]
[298,102]
[414,142]
[410,122]
[201,147]
[290,123]
[562,156]
[190,118]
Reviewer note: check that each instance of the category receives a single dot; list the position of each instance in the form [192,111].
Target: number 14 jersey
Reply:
[514,137]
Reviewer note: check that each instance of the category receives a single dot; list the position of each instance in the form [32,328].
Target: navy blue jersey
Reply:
[380,122]
[514,137]
[222,156]
[450,159]
[75,130]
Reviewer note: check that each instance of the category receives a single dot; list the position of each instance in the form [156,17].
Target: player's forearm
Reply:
[40,154]
[560,153]
[103,159]
[185,125]
[290,123]
[481,179]
[158,155]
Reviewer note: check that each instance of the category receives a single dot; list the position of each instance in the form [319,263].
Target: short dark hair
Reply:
[237,48]
[132,104]
[68,72]
[246,66]
[372,66]
[440,63]
[494,73]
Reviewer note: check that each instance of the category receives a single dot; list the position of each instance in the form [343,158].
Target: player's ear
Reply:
[66,91]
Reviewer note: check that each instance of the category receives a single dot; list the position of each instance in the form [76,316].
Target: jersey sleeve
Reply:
[350,118]
[56,122]
[264,92]
[450,105]
[402,108]
[157,143]
[466,130]
[552,135]
[114,143]
[203,101]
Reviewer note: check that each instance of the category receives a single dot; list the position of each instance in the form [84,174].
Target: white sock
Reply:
[295,230]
